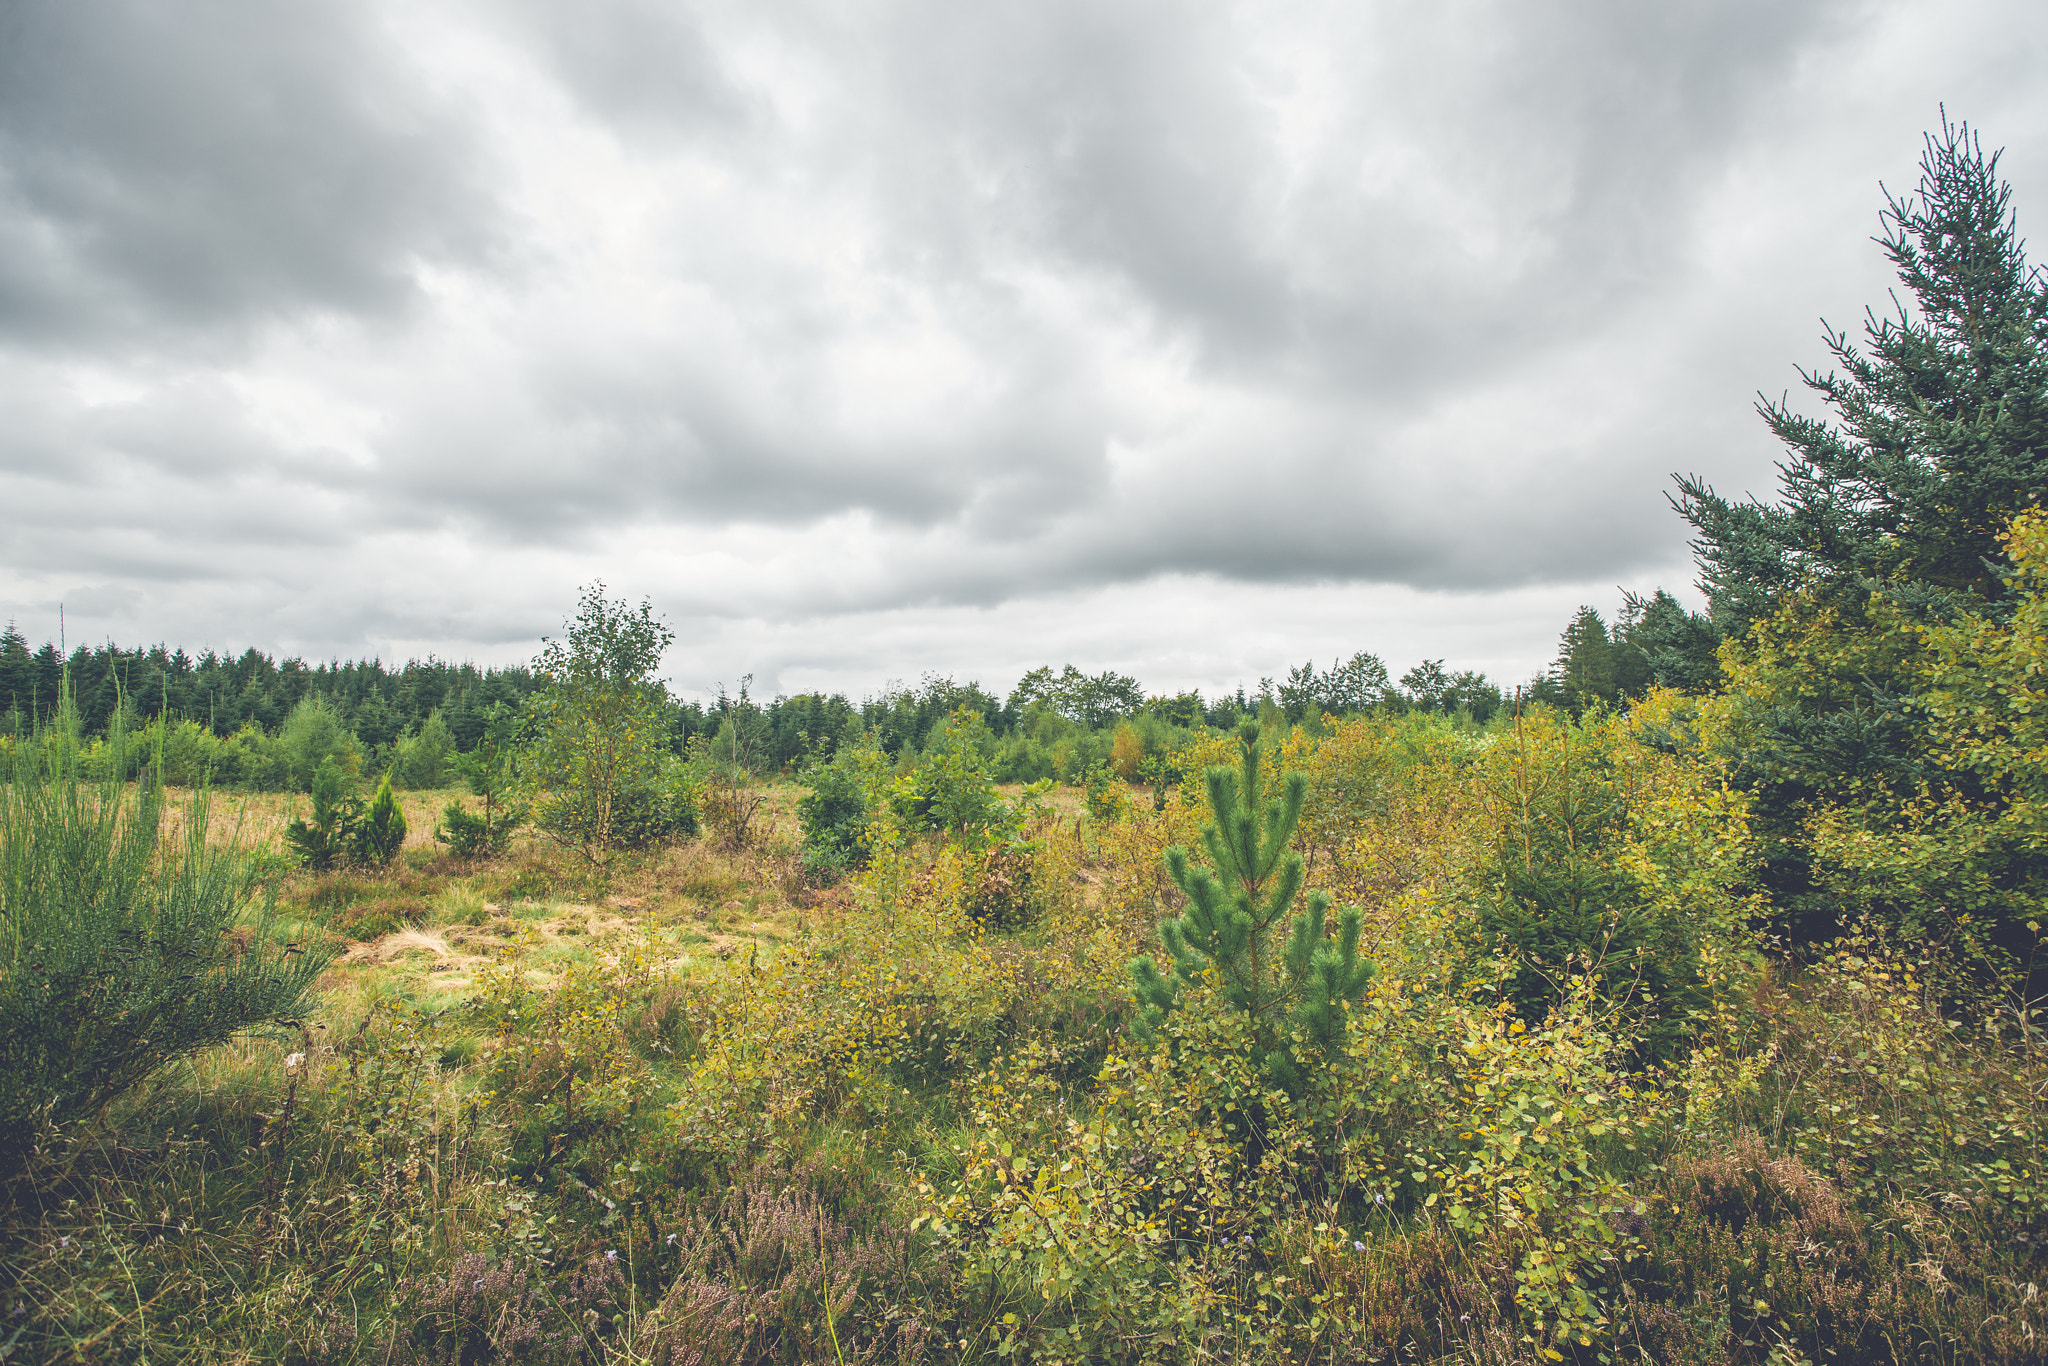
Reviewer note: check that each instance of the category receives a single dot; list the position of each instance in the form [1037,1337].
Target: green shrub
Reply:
[116,955]
[382,832]
[315,734]
[950,790]
[599,764]
[468,835]
[329,838]
[1295,999]
[834,809]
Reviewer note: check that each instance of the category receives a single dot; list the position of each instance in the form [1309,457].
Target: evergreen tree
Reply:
[491,772]
[1888,520]
[1940,427]
[381,833]
[1234,912]
[17,683]
[1676,647]
[330,837]
[1596,666]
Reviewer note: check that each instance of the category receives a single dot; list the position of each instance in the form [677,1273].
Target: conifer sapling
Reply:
[1229,924]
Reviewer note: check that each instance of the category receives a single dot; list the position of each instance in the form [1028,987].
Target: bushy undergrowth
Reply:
[1577,1114]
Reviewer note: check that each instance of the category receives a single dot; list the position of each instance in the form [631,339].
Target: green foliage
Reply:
[1231,919]
[599,766]
[1109,796]
[119,950]
[833,812]
[332,835]
[313,735]
[951,792]
[382,832]
[1091,701]
[421,760]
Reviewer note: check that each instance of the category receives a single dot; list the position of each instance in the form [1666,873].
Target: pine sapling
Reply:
[1297,997]
[381,834]
[330,836]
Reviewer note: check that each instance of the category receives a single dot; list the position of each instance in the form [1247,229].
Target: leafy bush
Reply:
[1598,856]
[834,810]
[950,790]
[599,765]
[116,955]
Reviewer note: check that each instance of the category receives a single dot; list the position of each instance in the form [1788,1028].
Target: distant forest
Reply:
[1055,722]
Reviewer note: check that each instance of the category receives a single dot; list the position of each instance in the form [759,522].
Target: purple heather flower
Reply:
[611,1254]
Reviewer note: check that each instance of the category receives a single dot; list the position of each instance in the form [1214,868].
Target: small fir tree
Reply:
[381,834]
[330,837]
[1233,916]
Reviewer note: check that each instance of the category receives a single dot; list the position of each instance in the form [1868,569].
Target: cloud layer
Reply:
[873,339]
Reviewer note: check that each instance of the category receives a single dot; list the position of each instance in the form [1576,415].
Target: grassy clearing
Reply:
[706,1110]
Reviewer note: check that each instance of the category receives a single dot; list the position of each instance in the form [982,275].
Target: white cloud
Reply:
[1190,340]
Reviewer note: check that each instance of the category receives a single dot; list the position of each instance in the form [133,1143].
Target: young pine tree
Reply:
[382,832]
[1233,917]
[330,837]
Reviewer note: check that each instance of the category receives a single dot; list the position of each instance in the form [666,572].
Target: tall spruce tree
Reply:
[1939,431]
[1233,916]
[1888,520]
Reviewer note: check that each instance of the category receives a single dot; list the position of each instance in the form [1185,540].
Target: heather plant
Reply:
[122,949]
[772,1274]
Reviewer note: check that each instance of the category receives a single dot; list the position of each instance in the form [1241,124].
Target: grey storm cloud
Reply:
[170,170]
[378,322]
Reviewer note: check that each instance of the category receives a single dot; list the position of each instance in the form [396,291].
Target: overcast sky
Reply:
[1190,340]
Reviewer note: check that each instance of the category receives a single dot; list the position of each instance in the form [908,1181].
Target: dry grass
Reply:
[254,819]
